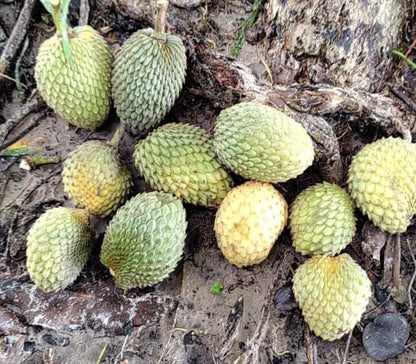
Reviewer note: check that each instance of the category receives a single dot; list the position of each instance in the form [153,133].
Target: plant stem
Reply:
[400,54]
[160,21]
[56,15]
[29,163]
[115,140]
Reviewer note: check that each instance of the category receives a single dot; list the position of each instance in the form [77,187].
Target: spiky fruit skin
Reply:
[96,178]
[79,91]
[58,245]
[145,240]
[333,293]
[382,183]
[322,220]
[148,75]
[248,222]
[261,143]
[180,159]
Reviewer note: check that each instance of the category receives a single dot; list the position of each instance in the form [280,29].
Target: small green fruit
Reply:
[333,293]
[322,220]
[58,245]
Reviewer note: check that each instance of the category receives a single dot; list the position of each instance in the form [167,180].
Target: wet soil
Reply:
[255,319]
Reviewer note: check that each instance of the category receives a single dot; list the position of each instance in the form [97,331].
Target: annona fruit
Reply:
[180,159]
[322,220]
[58,245]
[248,222]
[96,178]
[382,183]
[78,90]
[149,72]
[144,240]
[333,293]
[261,143]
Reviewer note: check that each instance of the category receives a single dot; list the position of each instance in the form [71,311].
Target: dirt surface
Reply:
[180,320]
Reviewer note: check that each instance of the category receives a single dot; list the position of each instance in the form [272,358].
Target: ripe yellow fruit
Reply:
[96,178]
[248,222]
[333,293]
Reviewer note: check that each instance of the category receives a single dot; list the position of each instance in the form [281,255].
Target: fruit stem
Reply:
[160,21]
[115,140]
[56,15]
[29,163]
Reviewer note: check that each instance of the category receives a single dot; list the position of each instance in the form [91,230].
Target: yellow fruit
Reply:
[333,293]
[248,222]
[96,178]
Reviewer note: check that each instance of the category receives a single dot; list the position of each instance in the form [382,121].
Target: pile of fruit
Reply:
[145,238]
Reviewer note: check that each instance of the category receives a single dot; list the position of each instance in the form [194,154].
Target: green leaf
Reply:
[409,61]
[217,288]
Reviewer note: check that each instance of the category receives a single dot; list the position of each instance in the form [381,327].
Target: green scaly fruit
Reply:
[333,293]
[382,183]
[96,178]
[78,89]
[322,220]
[149,73]
[180,159]
[248,222]
[145,240]
[58,245]
[261,143]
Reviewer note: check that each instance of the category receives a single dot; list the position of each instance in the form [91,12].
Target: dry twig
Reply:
[17,36]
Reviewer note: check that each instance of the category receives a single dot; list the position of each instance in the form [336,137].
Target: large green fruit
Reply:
[248,222]
[149,72]
[261,143]
[96,178]
[145,240]
[333,293]
[322,220]
[58,245]
[381,181]
[180,159]
[79,91]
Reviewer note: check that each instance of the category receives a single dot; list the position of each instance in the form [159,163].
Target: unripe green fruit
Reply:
[180,159]
[382,183]
[333,293]
[261,143]
[149,72]
[58,245]
[322,220]
[79,90]
[145,239]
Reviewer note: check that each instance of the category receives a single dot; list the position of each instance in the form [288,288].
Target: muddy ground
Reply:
[180,320]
